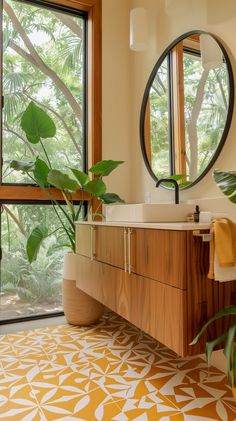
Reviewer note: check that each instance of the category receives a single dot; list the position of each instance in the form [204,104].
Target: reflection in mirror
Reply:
[187,109]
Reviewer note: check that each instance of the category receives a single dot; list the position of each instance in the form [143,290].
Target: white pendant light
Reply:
[211,54]
[138,29]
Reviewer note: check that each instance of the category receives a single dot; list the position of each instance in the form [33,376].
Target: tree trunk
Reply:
[36,60]
[193,137]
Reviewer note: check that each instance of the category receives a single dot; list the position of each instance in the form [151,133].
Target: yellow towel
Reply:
[223,243]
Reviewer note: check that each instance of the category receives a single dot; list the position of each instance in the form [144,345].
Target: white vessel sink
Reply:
[149,212]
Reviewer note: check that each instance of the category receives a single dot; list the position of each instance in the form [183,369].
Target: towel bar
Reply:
[206,237]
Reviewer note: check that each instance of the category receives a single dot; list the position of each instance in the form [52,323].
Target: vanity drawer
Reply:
[83,240]
[158,309]
[160,255]
[109,245]
[102,243]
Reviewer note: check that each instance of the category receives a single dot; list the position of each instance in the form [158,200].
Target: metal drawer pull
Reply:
[92,242]
[125,249]
[129,250]
[205,237]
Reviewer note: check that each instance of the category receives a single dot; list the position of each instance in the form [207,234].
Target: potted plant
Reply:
[37,125]
[226,181]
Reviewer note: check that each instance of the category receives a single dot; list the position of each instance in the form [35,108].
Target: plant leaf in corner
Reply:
[226,181]
[212,344]
[228,311]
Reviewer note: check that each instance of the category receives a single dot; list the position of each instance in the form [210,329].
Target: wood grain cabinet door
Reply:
[102,243]
[160,255]
[83,240]
[110,245]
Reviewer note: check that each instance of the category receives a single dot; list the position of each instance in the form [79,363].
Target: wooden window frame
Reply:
[178,109]
[176,87]
[178,101]
[11,193]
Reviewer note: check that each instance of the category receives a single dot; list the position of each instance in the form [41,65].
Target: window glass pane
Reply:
[159,121]
[30,289]
[43,61]
[206,108]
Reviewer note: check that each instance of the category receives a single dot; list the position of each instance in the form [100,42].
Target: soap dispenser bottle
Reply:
[196,214]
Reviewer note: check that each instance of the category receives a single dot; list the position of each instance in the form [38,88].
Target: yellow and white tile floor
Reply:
[110,371]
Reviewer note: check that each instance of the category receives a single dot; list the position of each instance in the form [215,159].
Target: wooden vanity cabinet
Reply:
[133,272]
[156,279]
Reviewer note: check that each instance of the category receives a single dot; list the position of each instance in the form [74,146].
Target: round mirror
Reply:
[187,109]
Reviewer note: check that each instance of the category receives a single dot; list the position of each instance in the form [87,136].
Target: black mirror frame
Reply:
[146,95]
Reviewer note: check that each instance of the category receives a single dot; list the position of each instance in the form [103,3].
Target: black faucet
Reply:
[176,186]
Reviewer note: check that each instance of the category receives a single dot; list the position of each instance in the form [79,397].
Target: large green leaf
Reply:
[105,167]
[212,344]
[81,176]
[228,351]
[108,198]
[62,181]
[23,166]
[231,310]
[34,242]
[41,172]
[97,187]
[226,181]
[37,124]
[234,366]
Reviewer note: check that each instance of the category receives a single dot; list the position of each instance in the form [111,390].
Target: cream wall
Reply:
[163,29]
[116,93]
[125,74]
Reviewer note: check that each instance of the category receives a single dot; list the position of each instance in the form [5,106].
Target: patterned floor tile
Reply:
[105,372]
[17,402]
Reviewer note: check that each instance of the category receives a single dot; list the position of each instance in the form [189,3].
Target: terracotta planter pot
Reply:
[79,307]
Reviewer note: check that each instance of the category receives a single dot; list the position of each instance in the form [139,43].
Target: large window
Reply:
[50,56]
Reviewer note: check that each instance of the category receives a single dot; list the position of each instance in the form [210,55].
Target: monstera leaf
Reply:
[226,181]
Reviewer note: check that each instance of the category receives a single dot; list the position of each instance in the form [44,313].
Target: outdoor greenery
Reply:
[43,62]
[206,106]
[226,181]
[205,113]
[159,120]
[40,281]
